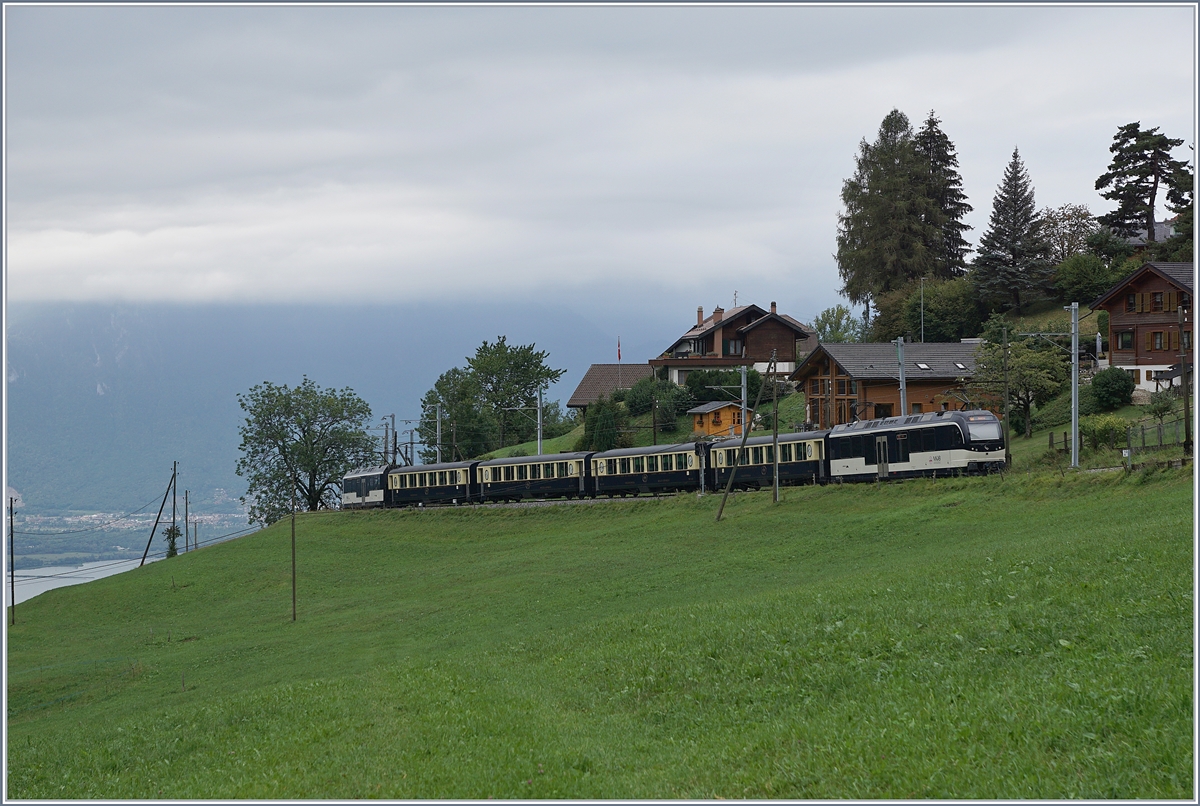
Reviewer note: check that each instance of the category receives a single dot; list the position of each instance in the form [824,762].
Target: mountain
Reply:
[102,398]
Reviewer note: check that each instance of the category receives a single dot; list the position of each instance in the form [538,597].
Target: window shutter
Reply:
[1149,341]
[1169,301]
[1175,340]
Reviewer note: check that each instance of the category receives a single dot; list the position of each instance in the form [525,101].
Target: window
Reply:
[733,346]
[683,461]
[960,365]
[883,410]
[854,387]
[1125,340]
[1156,340]
[424,481]
[1187,339]
[815,387]
[841,386]
[666,461]
[441,478]
[651,464]
[639,464]
[916,408]
[1156,302]
[928,442]
[756,456]
[716,418]
[561,468]
[1130,303]
[922,365]
[548,470]
[1149,375]
[902,447]
[737,416]
[522,472]
[785,452]
[610,466]
[535,472]
[509,473]
[623,465]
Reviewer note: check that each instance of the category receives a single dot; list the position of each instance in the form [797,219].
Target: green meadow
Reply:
[1024,636]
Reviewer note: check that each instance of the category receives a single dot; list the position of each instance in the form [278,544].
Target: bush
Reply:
[1112,388]
[1058,410]
[1161,404]
[1103,429]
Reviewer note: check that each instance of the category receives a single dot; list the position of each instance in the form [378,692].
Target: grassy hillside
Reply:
[1000,637]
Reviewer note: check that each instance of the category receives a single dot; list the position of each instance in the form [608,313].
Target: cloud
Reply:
[409,154]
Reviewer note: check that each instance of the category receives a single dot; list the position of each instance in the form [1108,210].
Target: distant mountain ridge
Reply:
[103,397]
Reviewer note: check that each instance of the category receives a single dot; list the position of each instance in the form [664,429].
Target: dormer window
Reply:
[922,365]
[960,366]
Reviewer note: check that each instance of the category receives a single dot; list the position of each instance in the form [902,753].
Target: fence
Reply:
[1138,438]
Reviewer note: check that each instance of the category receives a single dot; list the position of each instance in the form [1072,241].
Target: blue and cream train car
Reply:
[365,488]
[801,460]
[419,485]
[656,469]
[932,444]
[558,475]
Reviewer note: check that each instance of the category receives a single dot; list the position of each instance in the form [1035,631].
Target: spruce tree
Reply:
[1013,256]
[943,185]
[887,227]
[1141,163]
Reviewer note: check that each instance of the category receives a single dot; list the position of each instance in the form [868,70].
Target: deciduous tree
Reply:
[1067,229]
[838,325]
[509,377]
[303,439]
[1035,375]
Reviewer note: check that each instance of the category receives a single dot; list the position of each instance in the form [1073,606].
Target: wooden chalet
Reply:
[741,336]
[601,380]
[844,383]
[1144,334]
[722,418]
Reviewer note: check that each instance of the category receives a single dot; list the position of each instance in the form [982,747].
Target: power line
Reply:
[93,528]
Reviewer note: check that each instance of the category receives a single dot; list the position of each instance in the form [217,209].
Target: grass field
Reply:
[1002,637]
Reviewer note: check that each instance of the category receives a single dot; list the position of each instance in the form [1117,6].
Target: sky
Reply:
[631,161]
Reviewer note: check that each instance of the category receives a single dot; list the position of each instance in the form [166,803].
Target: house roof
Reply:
[1181,274]
[604,379]
[716,404]
[877,361]
[709,324]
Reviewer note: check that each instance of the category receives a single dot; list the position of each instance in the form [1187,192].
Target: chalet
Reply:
[601,380]
[844,383]
[722,418]
[742,336]
[1144,333]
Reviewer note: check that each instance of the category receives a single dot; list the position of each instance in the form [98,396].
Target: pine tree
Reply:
[943,186]
[1013,257]
[1141,163]
[886,232]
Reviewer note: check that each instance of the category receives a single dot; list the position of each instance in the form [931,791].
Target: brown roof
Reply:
[877,361]
[604,379]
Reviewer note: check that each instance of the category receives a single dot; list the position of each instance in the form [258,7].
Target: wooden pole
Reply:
[1007,433]
[737,459]
[158,517]
[12,561]
[293,552]
[186,526]
[775,427]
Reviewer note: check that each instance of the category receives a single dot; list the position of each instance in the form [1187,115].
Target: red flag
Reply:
[618,349]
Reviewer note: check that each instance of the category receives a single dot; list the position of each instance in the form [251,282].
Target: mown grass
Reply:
[1017,637]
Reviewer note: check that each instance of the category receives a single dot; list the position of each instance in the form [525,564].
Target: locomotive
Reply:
[935,443]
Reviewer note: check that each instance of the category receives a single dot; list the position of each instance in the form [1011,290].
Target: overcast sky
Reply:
[654,159]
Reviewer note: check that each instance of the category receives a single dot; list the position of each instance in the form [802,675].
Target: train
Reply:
[945,443]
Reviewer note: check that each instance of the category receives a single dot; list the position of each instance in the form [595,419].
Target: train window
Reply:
[509,472]
[785,452]
[522,472]
[770,454]
[610,466]
[535,472]
[756,456]
[666,461]
[901,447]
[562,469]
[623,464]
[639,464]
[441,478]
[651,464]
[421,480]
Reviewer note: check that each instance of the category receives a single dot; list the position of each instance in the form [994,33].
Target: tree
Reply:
[1113,388]
[1141,164]
[943,186]
[1067,230]
[1082,278]
[1161,404]
[1013,257]
[468,428]
[837,325]
[952,311]
[604,427]
[509,377]
[1035,375]
[304,440]
[171,535]
[889,231]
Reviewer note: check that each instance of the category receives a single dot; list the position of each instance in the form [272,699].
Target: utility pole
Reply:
[386,441]
[393,416]
[775,426]
[922,310]
[174,478]
[293,549]
[903,385]
[12,563]
[1007,433]
[439,433]
[186,527]
[157,518]
[1074,309]
[539,421]
[1187,385]
[654,417]
[738,456]
[744,429]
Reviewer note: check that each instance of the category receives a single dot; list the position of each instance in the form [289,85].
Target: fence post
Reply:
[1066,440]
[1143,437]
[1129,448]
[1051,440]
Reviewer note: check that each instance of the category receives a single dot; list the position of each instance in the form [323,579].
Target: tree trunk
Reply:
[1150,213]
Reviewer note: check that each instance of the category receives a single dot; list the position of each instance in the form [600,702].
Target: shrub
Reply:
[1113,388]
[1102,429]
[1161,404]
[1058,410]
